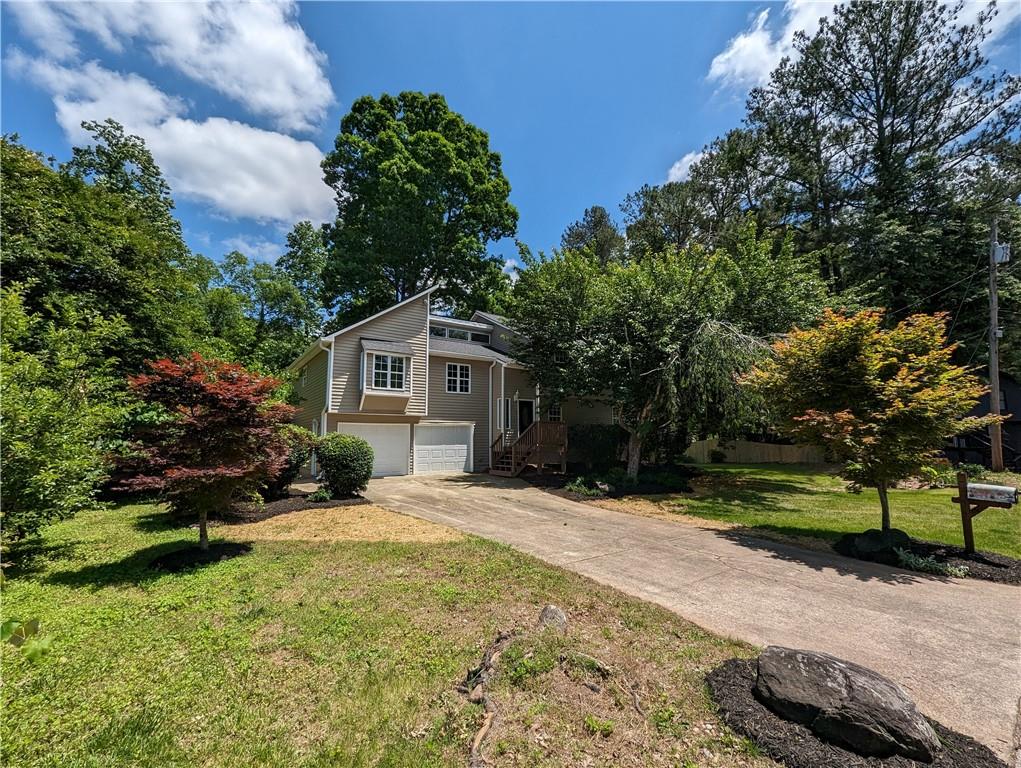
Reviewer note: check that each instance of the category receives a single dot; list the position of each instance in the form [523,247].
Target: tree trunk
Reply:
[885,503]
[203,533]
[634,454]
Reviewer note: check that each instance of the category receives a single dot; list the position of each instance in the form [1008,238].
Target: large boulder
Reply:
[875,545]
[843,703]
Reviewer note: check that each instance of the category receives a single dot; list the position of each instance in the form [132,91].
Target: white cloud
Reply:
[43,23]
[91,92]
[240,170]
[751,56]
[510,268]
[255,53]
[258,248]
[680,170]
[243,171]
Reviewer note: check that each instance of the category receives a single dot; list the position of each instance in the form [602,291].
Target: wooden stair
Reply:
[543,442]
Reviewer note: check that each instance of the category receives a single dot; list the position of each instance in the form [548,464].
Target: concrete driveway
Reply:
[955,645]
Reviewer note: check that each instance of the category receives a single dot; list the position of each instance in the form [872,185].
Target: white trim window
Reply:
[555,413]
[388,372]
[304,375]
[459,378]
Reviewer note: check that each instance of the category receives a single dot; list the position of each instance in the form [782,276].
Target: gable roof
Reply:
[323,341]
[398,305]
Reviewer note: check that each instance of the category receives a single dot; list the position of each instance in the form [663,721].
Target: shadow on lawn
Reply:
[30,556]
[821,561]
[135,568]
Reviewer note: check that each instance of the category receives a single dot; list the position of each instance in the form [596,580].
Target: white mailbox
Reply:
[1000,494]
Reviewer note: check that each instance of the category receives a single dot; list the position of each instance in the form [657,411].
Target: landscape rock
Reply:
[552,617]
[876,546]
[844,703]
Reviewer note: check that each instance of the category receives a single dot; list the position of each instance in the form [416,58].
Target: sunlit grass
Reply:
[811,501]
[323,651]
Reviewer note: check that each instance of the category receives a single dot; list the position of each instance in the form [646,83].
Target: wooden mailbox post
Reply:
[974,497]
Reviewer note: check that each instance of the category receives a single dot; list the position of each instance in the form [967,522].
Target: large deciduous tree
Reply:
[220,435]
[58,402]
[881,401]
[420,194]
[661,338]
[98,233]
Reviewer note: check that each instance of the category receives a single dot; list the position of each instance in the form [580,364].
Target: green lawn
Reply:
[337,641]
[810,501]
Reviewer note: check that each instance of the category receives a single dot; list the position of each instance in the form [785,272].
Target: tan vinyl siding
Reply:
[410,324]
[312,394]
[515,380]
[576,411]
[473,407]
[502,339]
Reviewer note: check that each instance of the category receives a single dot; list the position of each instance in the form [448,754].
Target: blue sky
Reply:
[585,102]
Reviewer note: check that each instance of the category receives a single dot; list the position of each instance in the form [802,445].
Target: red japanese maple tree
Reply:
[221,435]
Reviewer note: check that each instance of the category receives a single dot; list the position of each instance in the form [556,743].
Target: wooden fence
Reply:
[748,452]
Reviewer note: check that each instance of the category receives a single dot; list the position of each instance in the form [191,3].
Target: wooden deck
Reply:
[543,442]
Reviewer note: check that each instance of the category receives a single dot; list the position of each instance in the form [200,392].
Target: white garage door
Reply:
[443,448]
[390,445]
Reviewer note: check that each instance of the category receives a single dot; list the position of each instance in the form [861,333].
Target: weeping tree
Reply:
[663,338]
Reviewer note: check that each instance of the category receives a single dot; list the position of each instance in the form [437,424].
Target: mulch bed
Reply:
[253,513]
[181,559]
[988,566]
[796,746]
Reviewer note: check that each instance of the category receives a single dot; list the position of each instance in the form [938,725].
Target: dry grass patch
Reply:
[363,522]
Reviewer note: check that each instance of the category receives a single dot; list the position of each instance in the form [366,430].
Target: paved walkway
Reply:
[955,645]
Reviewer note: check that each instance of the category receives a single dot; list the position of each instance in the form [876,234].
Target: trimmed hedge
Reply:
[346,463]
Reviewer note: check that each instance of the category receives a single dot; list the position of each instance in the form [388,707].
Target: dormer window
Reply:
[386,366]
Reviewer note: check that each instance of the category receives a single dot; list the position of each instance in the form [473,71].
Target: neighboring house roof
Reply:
[388,347]
[498,319]
[467,349]
[321,343]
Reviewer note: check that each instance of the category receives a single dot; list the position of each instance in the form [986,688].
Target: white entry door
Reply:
[391,445]
[443,448]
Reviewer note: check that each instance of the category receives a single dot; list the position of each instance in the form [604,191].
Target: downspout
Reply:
[489,450]
[504,416]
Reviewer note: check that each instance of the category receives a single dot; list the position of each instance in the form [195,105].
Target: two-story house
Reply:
[434,394]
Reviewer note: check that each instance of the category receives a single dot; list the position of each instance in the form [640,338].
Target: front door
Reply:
[526,414]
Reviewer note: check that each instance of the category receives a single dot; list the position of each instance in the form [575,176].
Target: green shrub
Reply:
[319,494]
[584,486]
[716,456]
[346,463]
[914,562]
[300,444]
[973,471]
[597,446]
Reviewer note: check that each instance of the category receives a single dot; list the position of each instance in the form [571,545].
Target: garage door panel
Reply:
[443,448]
[391,445]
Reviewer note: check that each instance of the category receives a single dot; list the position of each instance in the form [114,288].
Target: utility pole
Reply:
[995,434]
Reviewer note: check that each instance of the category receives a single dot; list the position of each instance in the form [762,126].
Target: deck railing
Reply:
[537,436]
